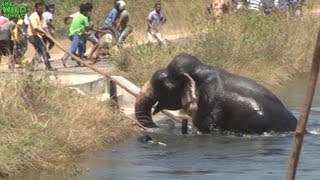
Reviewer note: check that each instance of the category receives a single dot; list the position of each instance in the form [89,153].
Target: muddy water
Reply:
[216,157]
[211,156]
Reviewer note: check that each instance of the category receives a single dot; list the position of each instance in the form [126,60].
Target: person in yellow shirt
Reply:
[20,42]
[37,29]
[17,31]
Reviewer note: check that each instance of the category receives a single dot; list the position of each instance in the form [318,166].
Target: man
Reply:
[88,36]
[36,30]
[123,25]
[6,44]
[109,21]
[26,22]
[295,7]
[48,15]
[3,20]
[154,21]
[79,26]
[20,42]
[219,7]
[68,19]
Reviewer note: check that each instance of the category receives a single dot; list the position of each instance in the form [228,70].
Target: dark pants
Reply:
[6,49]
[41,49]
[123,36]
[20,48]
[46,40]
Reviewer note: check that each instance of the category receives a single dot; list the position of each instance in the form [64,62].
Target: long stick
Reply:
[303,119]
[91,67]
[106,75]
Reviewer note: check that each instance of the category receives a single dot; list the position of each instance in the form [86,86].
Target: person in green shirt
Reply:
[80,25]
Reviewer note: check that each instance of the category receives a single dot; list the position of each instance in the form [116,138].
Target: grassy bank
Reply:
[47,127]
[270,50]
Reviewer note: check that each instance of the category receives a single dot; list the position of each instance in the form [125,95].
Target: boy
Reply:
[79,26]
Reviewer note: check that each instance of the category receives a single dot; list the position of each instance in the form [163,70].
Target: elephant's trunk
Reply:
[145,100]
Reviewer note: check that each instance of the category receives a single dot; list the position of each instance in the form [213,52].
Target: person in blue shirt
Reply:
[112,15]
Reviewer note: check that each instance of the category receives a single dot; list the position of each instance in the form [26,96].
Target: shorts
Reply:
[6,47]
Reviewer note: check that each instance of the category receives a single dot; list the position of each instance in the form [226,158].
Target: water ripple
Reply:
[184,172]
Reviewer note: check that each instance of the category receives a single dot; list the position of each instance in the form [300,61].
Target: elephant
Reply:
[216,100]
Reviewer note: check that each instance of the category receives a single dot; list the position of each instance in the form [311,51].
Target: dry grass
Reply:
[270,50]
[48,127]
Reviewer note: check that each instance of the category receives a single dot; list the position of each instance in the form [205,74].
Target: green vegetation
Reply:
[48,127]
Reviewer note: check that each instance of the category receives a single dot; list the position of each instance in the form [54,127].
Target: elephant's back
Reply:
[245,86]
[248,114]
[250,106]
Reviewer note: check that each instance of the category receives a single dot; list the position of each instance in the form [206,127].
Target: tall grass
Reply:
[47,127]
[268,49]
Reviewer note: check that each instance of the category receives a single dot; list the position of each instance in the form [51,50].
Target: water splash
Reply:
[314,132]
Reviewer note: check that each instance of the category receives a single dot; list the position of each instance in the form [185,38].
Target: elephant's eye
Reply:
[169,85]
[163,76]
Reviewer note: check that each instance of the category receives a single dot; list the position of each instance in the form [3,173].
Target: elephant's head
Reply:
[168,92]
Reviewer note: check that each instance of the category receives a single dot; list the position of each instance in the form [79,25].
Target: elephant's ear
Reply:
[189,99]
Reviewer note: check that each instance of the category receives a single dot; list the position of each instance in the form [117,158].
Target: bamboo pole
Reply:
[106,75]
[304,113]
[90,66]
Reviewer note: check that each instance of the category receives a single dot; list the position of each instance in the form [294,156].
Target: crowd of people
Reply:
[37,28]
[217,8]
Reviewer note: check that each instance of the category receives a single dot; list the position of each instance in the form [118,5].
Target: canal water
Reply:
[216,157]
[224,157]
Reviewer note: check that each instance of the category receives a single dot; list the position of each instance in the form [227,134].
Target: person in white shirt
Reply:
[26,21]
[48,17]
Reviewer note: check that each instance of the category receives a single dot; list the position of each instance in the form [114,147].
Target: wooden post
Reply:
[184,126]
[304,113]
[113,92]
